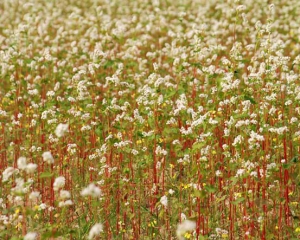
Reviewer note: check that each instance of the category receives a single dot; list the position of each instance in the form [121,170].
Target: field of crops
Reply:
[149,119]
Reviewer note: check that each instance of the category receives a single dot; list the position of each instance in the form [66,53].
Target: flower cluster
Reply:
[143,114]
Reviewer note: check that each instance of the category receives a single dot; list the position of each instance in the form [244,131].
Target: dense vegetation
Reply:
[142,119]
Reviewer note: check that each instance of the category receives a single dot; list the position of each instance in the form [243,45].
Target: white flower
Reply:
[7,173]
[238,140]
[63,194]
[185,226]
[61,129]
[240,172]
[164,201]
[91,190]
[19,186]
[18,200]
[68,203]
[34,195]
[42,206]
[288,102]
[59,183]
[31,167]
[48,158]
[95,230]
[171,191]
[65,203]
[271,165]
[30,236]
[21,163]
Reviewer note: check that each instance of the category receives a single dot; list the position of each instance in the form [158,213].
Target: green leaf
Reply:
[161,214]
[239,200]
[170,94]
[210,188]
[108,63]
[200,194]
[221,199]
[286,165]
[140,134]
[47,235]
[294,160]
[197,146]
[234,180]
[250,99]
[202,237]
[46,175]
[151,122]
[99,131]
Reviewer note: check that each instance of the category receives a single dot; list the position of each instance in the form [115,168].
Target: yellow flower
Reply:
[5,99]
[17,210]
[152,224]
[297,230]
[238,195]
[19,226]
[224,235]
[187,235]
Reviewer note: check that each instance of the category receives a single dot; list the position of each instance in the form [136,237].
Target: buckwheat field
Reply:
[139,119]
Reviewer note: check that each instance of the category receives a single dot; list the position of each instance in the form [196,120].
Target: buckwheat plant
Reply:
[161,119]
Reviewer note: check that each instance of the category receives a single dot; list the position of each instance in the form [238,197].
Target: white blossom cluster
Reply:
[119,111]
